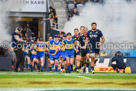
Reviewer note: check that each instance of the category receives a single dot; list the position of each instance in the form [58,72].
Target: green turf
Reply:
[62,80]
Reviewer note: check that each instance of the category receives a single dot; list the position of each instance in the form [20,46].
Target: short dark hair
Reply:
[19,29]
[94,23]
[76,29]
[62,32]
[50,7]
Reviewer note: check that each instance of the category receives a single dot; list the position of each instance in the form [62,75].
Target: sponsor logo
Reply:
[110,69]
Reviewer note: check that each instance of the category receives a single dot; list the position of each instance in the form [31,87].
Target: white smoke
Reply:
[5,7]
[116,19]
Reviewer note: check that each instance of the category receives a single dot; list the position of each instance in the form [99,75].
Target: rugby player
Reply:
[69,44]
[94,37]
[54,51]
[77,53]
[62,55]
[85,53]
[40,48]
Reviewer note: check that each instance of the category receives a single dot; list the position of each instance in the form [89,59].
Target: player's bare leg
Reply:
[35,60]
[83,64]
[68,65]
[71,61]
[28,62]
[42,64]
[62,65]
[87,63]
[49,64]
[52,63]
[65,66]
[92,62]
[56,65]
[78,58]
[96,58]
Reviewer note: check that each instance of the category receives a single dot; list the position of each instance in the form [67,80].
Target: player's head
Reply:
[51,8]
[94,26]
[76,31]
[37,39]
[118,53]
[64,36]
[85,31]
[50,38]
[69,35]
[33,39]
[82,30]
[75,10]
[18,30]
[62,33]
[56,38]
[40,39]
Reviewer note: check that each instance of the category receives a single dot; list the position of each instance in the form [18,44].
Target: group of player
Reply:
[67,49]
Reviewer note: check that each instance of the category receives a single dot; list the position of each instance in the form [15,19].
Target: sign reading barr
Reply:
[29,6]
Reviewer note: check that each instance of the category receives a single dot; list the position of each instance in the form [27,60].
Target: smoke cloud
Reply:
[116,19]
[5,7]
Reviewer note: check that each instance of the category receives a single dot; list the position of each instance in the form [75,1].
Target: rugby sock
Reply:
[42,67]
[28,65]
[66,70]
[52,66]
[31,67]
[87,64]
[56,68]
[69,68]
[77,69]
[38,66]
[34,64]
[92,68]
[62,67]
[12,63]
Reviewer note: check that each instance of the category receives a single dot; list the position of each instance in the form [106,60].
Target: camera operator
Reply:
[17,44]
[118,57]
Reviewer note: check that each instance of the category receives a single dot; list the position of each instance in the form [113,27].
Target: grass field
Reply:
[61,81]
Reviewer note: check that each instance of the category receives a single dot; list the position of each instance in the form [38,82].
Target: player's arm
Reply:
[57,49]
[76,46]
[113,59]
[56,52]
[86,41]
[47,46]
[18,39]
[102,41]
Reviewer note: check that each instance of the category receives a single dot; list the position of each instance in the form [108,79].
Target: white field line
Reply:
[72,74]
[83,77]
[44,89]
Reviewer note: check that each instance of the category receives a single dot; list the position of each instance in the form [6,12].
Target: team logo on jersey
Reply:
[96,32]
[83,37]
[75,38]
[91,36]
[90,32]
